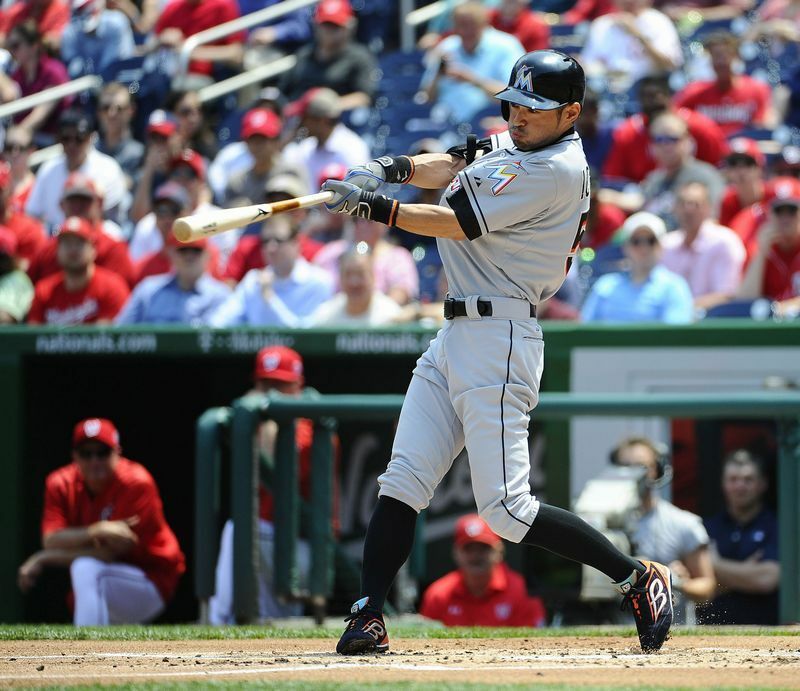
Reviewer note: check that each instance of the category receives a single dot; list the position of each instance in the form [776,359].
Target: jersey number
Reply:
[577,241]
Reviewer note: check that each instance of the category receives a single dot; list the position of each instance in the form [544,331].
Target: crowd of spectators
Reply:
[691,141]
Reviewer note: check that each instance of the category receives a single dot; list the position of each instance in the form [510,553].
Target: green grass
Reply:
[66,632]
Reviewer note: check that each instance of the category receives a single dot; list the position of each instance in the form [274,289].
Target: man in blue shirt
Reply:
[744,548]
[646,291]
[187,296]
[95,38]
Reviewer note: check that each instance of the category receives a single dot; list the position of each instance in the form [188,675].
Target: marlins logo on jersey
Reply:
[504,173]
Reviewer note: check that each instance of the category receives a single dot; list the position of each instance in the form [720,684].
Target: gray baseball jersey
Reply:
[523,212]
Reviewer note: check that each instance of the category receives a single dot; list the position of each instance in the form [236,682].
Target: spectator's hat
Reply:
[87,13]
[285,184]
[745,150]
[5,174]
[261,121]
[320,102]
[787,193]
[190,159]
[77,119]
[81,227]
[642,219]
[96,429]
[161,122]
[271,97]
[172,192]
[80,185]
[200,243]
[472,528]
[8,241]
[333,171]
[337,12]
[279,363]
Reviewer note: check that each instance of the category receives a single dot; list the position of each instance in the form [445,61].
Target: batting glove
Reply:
[368,177]
[352,200]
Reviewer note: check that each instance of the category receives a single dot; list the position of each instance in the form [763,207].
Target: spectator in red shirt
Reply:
[744,173]
[517,18]
[483,591]
[81,198]
[17,150]
[183,18]
[279,369]
[82,293]
[103,518]
[35,72]
[630,158]
[249,253]
[774,272]
[588,10]
[50,17]
[29,233]
[734,101]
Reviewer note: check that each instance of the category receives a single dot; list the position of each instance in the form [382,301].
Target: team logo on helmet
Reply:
[524,79]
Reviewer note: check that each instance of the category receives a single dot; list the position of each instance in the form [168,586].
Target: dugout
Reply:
[154,383]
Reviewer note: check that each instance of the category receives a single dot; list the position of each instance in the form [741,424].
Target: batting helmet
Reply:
[544,80]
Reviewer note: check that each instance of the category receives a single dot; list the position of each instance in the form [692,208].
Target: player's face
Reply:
[530,129]
[96,462]
[742,486]
[289,388]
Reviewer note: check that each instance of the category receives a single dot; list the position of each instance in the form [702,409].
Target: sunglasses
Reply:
[166,210]
[741,162]
[277,241]
[73,138]
[87,454]
[183,173]
[640,242]
[10,148]
[186,112]
[787,210]
[190,251]
[665,139]
[105,107]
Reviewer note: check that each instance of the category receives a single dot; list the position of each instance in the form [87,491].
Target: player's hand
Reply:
[369,176]
[29,572]
[116,536]
[346,197]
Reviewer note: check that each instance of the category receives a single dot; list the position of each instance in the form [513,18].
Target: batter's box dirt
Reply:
[611,661]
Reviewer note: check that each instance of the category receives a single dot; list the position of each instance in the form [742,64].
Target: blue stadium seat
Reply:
[736,308]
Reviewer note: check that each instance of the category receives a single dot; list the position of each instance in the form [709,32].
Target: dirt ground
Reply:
[696,661]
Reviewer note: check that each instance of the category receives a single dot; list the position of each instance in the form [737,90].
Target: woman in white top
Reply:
[357,303]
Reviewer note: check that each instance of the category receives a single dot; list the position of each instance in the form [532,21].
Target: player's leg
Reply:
[113,593]
[220,606]
[428,438]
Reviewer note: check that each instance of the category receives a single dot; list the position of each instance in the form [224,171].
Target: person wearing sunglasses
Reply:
[115,111]
[103,519]
[35,71]
[774,272]
[672,148]
[645,291]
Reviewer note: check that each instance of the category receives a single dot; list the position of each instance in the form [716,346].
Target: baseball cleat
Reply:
[365,632]
[651,602]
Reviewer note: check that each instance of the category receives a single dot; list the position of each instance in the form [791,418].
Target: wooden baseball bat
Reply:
[196,226]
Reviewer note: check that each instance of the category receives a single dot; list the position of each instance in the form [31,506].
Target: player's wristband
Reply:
[380,208]
[396,169]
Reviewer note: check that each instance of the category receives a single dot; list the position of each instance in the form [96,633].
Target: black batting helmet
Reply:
[544,80]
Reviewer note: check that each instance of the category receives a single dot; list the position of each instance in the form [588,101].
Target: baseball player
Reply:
[508,226]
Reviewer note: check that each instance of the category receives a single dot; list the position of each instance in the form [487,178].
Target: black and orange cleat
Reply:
[365,632]
[651,602]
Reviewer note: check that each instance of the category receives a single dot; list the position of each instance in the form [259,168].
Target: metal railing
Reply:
[245,79]
[248,412]
[90,82]
[248,21]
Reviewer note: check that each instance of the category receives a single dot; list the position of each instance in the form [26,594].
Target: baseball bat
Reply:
[196,226]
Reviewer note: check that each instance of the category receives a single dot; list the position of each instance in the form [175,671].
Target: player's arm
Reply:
[749,576]
[695,573]
[32,567]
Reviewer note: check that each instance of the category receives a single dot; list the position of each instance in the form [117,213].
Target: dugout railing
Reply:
[238,426]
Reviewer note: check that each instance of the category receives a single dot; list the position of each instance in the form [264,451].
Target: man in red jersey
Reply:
[734,101]
[103,518]
[630,158]
[516,17]
[28,231]
[483,591]
[82,292]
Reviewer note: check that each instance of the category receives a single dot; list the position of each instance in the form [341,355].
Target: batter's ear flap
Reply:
[663,465]
[505,110]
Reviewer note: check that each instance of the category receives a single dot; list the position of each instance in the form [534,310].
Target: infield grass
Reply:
[179,632]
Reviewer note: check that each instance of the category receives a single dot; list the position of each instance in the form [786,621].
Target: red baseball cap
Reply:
[200,243]
[161,122]
[81,227]
[472,528]
[8,241]
[193,160]
[337,12]
[279,363]
[80,185]
[743,146]
[261,121]
[332,171]
[96,429]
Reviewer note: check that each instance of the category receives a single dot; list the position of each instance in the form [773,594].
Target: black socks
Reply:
[390,536]
[569,536]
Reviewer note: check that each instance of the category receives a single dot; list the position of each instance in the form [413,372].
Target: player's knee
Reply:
[498,519]
[84,570]
[401,483]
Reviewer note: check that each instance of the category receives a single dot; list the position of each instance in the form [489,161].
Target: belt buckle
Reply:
[449,308]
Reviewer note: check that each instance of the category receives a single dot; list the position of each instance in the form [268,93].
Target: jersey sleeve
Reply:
[54,514]
[499,193]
